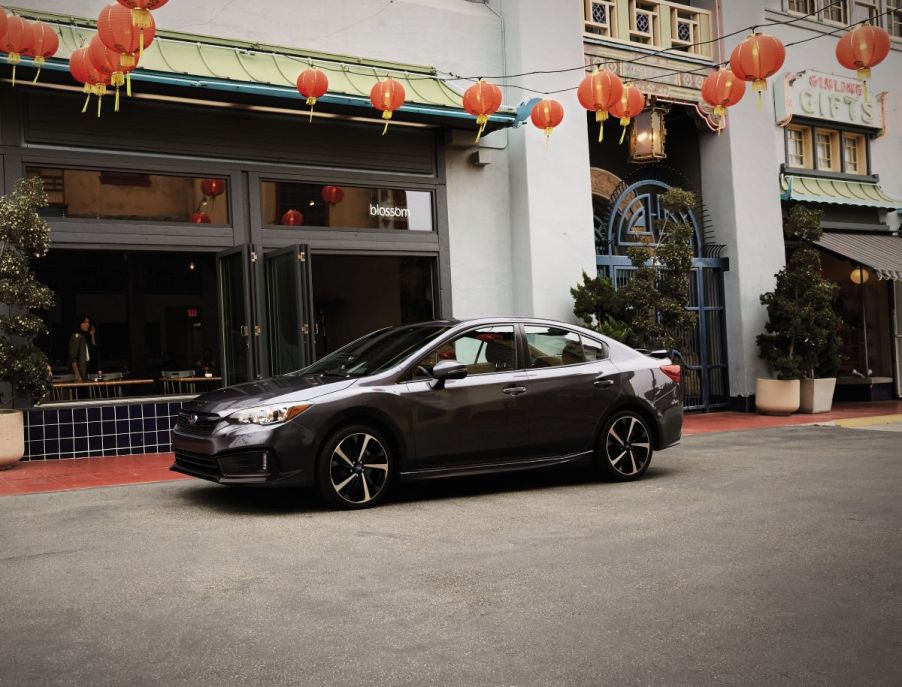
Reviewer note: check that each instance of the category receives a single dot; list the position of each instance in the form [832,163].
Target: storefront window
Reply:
[345,207]
[136,196]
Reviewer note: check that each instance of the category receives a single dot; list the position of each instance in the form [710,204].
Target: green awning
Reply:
[837,191]
[190,60]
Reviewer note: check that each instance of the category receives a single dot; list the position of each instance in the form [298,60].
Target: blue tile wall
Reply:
[113,430]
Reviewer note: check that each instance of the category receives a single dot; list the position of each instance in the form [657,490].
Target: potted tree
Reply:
[24,370]
[801,339]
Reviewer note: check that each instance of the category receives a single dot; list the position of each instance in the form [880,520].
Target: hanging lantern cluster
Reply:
[143,20]
[211,189]
[387,96]
[482,100]
[598,92]
[722,89]
[84,71]
[630,103]
[20,37]
[312,84]
[861,48]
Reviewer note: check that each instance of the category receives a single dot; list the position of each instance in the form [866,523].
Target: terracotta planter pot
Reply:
[817,395]
[777,396]
[12,438]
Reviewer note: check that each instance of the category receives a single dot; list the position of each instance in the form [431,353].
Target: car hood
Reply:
[284,389]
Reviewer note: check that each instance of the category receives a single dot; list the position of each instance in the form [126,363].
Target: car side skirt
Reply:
[486,468]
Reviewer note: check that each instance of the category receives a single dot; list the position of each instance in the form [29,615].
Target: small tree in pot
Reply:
[24,367]
[801,339]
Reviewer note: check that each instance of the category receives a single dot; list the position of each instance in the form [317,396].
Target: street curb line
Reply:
[852,422]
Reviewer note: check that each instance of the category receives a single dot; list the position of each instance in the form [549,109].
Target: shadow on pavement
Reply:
[287,500]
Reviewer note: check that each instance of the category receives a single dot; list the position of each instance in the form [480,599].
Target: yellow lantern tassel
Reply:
[863,75]
[311,101]
[601,116]
[386,115]
[88,91]
[14,75]
[39,63]
[99,104]
[142,19]
[116,104]
[481,120]
[118,80]
[548,131]
[624,122]
[128,84]
[720,112]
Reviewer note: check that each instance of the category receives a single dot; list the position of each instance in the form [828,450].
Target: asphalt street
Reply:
[771,557]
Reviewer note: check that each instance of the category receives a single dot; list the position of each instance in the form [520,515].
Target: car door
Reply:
[475,420]
[572,382]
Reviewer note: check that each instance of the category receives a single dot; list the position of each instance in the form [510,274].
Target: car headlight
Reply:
[268,415]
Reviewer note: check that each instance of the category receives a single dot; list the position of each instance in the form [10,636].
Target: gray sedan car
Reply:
[437,399]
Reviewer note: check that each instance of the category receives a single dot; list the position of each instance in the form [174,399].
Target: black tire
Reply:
[625,447]
[355,468]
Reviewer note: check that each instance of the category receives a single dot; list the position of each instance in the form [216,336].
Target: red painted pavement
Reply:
[87,473]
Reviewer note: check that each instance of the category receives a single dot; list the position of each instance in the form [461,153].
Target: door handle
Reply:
[514,390]
[603,382]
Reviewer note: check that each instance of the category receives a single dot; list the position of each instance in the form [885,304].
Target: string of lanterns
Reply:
[126,28]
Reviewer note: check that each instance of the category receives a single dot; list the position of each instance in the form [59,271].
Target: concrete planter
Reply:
[777,396]
[817,395]
[12,438]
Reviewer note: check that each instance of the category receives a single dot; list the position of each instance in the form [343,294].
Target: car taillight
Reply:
[672,371]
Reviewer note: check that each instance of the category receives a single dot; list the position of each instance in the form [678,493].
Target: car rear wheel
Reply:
[355,468]
[624,447]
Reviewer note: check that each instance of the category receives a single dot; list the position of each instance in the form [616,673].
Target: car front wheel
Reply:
[624,447]
[355,468]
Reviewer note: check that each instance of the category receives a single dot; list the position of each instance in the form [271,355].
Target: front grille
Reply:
[204,466]
[201,427]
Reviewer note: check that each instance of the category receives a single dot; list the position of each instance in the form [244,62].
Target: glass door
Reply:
[233,271]
[287,309]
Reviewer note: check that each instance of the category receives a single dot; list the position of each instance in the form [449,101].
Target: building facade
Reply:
[212,226]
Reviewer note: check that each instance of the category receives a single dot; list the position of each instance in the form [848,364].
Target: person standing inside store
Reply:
[80,346]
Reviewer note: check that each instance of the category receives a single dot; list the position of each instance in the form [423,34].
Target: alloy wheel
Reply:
[628,445]
[359,468]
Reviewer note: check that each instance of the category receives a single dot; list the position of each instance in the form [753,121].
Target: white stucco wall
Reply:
[740,173]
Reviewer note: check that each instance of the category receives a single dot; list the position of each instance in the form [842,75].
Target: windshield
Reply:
[375,352]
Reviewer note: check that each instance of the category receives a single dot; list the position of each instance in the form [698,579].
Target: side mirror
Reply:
[445,370]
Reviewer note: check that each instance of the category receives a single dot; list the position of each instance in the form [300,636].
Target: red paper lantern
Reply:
[547,114]
[84,71]
[118,32]
[631,103]
[756,58]
[200,218]
[482,100]
[212,187]
[16,40]
[107,63]
[142,20]
[44,44]
[332,195]
[4,22]
[597,93]
[862,48]
[312,84]
[387,96]
[292,218]
[722,89]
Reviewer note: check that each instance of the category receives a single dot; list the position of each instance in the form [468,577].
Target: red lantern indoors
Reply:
[118,32]
[862,48]
[547,114]
[312,84]
[141,18]
[387,96]
[631,103]
[201,218]
[756,58]
[597,93]
[84,71]
[212,187]
[482,100]
[44,44]
[107,63]
[16,40]
[332,195]
[292,218]
[722,89]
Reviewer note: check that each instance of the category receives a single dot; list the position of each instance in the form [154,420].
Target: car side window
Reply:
[594,350]
[482,350]
[553,347]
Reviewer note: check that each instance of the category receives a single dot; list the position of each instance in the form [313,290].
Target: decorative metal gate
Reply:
[632,217]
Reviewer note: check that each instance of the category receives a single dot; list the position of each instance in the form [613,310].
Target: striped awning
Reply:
[881,252]
[837,191]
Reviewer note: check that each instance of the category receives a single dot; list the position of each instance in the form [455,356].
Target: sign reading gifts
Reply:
[837,99]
